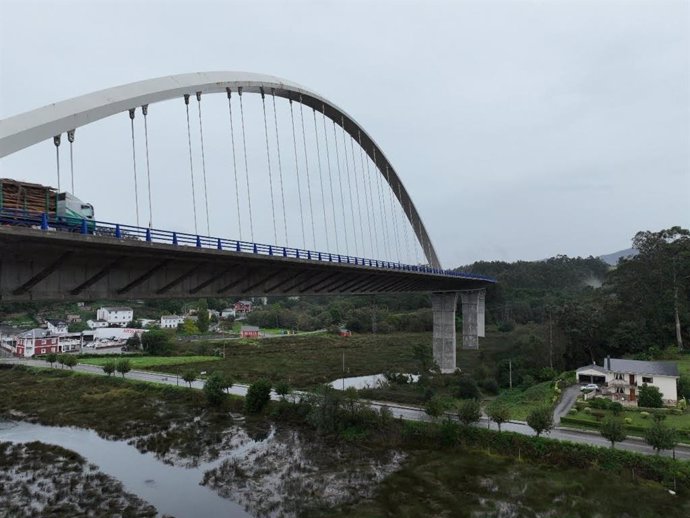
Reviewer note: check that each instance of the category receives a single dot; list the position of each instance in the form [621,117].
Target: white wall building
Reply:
[171,321]
[57,327]
[227,312]
[621,379]
[119,316]
[96,324]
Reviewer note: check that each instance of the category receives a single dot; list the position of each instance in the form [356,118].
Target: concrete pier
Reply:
[443,305]
[470,320]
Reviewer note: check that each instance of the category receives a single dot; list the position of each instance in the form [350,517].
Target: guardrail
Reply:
[47,222]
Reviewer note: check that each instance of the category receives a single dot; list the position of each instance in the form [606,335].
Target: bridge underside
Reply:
[40,265]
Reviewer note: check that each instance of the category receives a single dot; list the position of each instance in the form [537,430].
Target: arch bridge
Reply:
[46,255]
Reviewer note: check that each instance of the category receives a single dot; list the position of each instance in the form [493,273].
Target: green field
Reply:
[144,362]
[305,361]
[522,402]
[680,422]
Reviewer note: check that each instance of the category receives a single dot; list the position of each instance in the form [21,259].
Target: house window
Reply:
[619,376]
[646,379]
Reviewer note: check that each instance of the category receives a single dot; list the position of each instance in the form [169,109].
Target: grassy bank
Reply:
[522,402]
[305,361]
[144,362]
[458,482]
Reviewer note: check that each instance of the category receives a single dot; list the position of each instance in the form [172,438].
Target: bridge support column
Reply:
[473,317]
[443,305]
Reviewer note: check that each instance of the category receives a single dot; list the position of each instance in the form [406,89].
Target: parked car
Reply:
[590,386]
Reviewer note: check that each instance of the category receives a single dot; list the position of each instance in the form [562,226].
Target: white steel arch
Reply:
[29,128]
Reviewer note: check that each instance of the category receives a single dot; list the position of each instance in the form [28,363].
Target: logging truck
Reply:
[22,202]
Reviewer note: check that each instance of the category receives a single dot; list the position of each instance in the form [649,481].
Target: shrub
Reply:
[677,411]
[214,388]
[499,413]
[466,388]
[282,389]
[469,412]
[627,420]
[527,381]
[683,404]
[616,407]
[258,396]
[109,367]
[612,429]
[541,419]
[661,437]
[644,415]
[600,403]
[587,410]
[189,377]
[123,367]
[599,414]
[490,386]
[649,397]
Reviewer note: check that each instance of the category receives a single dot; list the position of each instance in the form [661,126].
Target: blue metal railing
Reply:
[43,221]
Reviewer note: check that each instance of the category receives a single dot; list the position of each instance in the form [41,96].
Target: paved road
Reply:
[403,411]
[566,402]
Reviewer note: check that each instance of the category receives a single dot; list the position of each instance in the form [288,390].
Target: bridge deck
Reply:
[50,265]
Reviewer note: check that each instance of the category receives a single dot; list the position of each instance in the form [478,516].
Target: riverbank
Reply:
[39,479]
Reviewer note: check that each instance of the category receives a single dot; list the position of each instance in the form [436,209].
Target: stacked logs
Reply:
[24,196]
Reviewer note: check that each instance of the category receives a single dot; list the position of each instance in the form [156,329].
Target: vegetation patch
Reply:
[144,362]
[43,480]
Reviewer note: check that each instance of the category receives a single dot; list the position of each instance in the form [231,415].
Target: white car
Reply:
[590,386]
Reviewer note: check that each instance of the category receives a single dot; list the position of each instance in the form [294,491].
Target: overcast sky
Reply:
[522,129]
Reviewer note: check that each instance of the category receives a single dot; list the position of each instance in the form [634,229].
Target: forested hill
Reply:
[560,273]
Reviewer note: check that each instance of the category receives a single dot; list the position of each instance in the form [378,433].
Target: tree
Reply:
[258,396]
[282,389]
[649,397]
[123,367]
[498,412]
[469,412]
[61,360]
[134,341]
[77,327]
[188,327]
[613,429]
[51,358]
[189,376]
[202,316]
[69,360]
[541,420]
[228,382]
[213,389]
[661,437]
[109,367]
[156,342]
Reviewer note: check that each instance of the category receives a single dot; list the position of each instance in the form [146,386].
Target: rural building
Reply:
[227,312]
[119,316]
[73,318]
[249,332]
[171,321]
[36,342]
[57,327]
[96,324]
[620,379]
[242,307]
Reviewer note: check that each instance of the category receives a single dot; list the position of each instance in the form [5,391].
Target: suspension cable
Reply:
[145,111]
[359,205]
[394,213]
[268,160]
[306,168]
[203,163]
[234,165]
[340,183]
[56,141]
[349,187]
[323,198]
[134,162]
[330,178]
[70,138]
[384,222]
[191,162]
[280,165]
[299,187]
[366,195]
[377,242]
[246,166]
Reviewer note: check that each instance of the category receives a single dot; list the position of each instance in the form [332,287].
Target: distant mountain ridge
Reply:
[613,258]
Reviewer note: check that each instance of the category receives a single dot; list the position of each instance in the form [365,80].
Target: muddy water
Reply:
[171,489]
[265,472]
